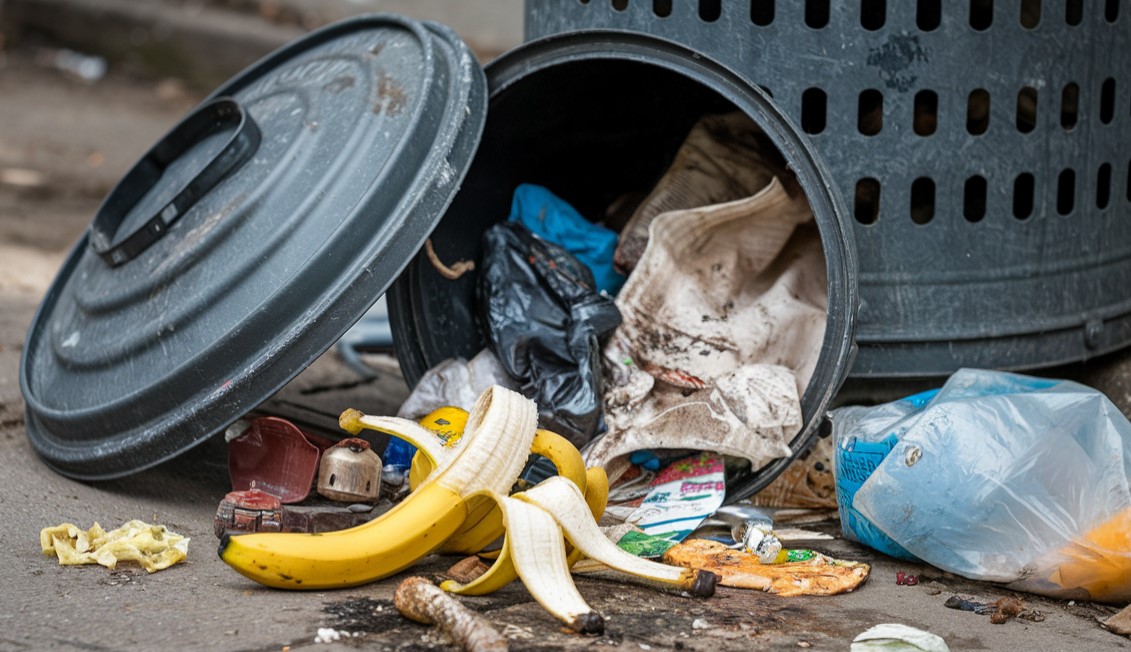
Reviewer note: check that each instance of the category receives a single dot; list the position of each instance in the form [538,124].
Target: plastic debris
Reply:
[275,456]
[893,637]
[551,218]
[744,527]
[996,477]
[153,547]
[455,382]
[554,356]
[817,575]
[644,545]
[1000,611]
[680,497]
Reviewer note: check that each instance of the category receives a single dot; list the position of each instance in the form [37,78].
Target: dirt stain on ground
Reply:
[364,615]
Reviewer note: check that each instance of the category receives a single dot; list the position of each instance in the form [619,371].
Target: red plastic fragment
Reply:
[906,579]
[275,456]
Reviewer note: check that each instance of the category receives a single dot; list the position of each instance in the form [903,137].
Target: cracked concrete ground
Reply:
[79,140]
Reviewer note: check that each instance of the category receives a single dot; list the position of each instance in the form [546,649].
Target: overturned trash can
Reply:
[980,144]
[593,114]
[263,226]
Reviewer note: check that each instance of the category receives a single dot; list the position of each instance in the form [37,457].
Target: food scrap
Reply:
[820,575]
[153,547]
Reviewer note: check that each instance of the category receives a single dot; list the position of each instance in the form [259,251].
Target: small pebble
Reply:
[700,623]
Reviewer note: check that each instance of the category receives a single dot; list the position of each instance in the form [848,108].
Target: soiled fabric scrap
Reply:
[750,413]
[724,158]
[723,321]
[153,547]
[893,637]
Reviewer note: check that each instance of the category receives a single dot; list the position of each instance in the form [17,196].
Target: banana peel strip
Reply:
[153,547]
[537,547]
[562,500]
[354,421]
[534,550]
[503,572]
[484,524]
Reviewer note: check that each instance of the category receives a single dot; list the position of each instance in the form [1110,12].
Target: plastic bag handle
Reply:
[210,118]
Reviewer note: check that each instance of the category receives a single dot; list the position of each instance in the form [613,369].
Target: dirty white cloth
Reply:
[723,322]
[894,637]
[723,158]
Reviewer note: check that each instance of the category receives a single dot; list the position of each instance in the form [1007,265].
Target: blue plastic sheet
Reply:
[551,218]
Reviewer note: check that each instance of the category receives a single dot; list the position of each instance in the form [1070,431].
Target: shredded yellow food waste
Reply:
[153,547]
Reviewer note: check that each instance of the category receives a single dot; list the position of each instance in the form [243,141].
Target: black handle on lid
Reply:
[211,118]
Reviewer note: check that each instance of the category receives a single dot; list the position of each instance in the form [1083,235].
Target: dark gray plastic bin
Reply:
[982,146]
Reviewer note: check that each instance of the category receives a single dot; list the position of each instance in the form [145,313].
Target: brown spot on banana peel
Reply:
[588,623]
[350,421]
[703,586]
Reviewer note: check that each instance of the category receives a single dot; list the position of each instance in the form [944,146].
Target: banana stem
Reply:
[420,600]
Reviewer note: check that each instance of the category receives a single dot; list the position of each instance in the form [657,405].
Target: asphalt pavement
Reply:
[63,144]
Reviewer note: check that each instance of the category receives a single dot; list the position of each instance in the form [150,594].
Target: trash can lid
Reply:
[248,240]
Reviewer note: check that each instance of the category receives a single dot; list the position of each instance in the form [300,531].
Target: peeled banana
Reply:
[533,550]
[461,504]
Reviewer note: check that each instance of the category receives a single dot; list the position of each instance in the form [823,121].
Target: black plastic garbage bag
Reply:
[546,323]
